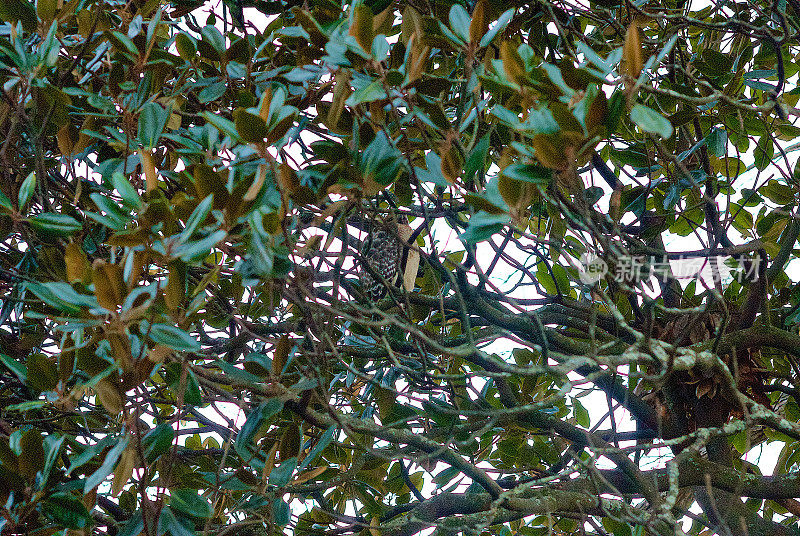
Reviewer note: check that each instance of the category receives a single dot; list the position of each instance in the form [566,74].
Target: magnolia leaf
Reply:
[188,502]
[26,190]
[651,121]
[107,466]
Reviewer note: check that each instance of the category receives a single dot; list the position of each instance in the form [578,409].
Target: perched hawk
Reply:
[383,253]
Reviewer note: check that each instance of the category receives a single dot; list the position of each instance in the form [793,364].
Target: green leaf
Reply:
[260,253]
[198,216]
[616,106]
[251,127]
[321,445]
[174,337]
[214,38]
[48,50]
[253,422]
[258,364]
[42,372]
[779,193]
[62,296]
[529,173]
[19,11]
[123,42]
[591,55]
[52,446]
[88,453]
[281,475]
[743,220]
[51,224]
[476,161]
[130,197]
[134,526]
[498,27]
[199,249]
[152,120]
[546,279]
[188,502]
[152,26]
[459,22]
[237,375]
[26,190]
[115,215]
[168,523]
[27,406]
[581,414]
[381,160]
[31,456]
[651,121]
[5,202]
[226,126]
[482,226]
[212,92]
[717,142]
[280,512]
[763,152]
[158,441]
[554,74]
[19,370]
[368,93]
[66,510]
[192,395]
[107,466]
[185,46]
[380,48]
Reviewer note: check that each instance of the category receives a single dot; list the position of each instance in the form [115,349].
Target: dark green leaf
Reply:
[529,173]
[158,441]
[188,502]
[280,512]
[15,366]
[321,445]
[651,121]
[50,224]
[498,27]
[169,524]
[26,191]
[174,337]
[192,395]
[253,422]
[214,37]
[130,197]
[281,475]
[107,466]
[251,127]
[198,216]
[66,510]
[152,120]
[62,296]
[459,22]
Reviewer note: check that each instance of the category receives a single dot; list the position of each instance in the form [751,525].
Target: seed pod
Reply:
[632,51]
[109,288]
[76,262]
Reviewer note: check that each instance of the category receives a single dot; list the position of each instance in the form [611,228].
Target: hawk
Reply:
[383,253]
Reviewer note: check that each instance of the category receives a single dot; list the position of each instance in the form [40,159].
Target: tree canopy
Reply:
[399,267]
